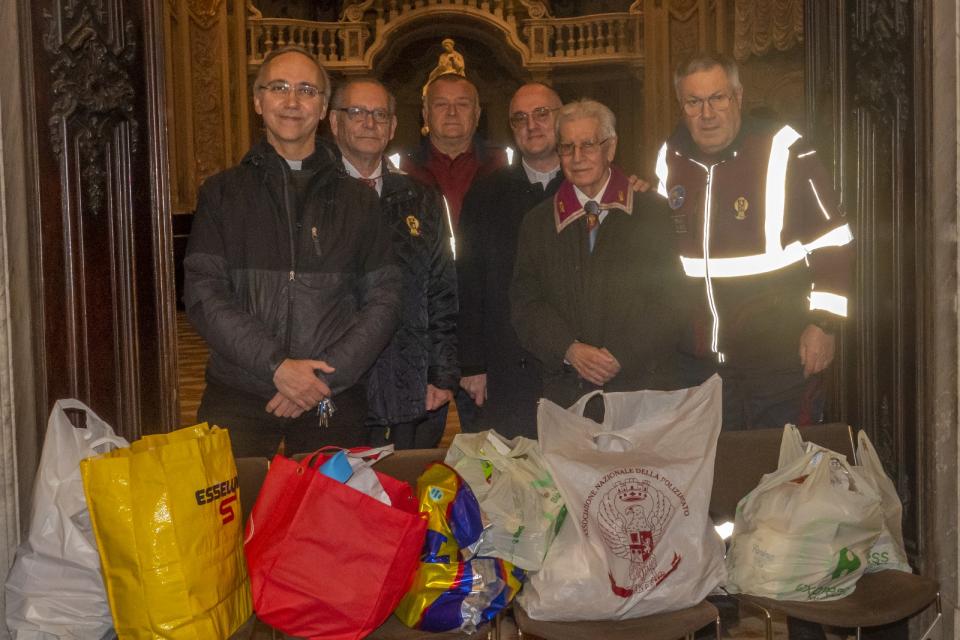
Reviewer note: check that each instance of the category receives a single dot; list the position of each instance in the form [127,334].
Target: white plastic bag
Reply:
[888,551]
[638,538]
[54,589]
[521,506]
[805,532]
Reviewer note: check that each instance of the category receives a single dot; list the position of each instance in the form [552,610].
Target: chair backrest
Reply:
[743,457]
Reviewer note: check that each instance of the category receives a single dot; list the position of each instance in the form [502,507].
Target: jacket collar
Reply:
[324,158]
[567,208]
[682,141]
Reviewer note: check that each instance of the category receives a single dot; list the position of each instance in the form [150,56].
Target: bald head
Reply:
[533,111]
[322,81]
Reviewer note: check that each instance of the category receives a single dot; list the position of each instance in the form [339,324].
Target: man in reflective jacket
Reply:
[762,240]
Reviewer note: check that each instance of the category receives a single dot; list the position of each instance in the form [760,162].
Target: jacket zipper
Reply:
[293,255]
[708,281]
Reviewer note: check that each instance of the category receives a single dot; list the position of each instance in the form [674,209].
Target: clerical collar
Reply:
[569,200]
[543,177]
[295,165]
[375,180]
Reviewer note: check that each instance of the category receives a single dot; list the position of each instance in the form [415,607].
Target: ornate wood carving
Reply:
[765,25]
[862,68]
[878,55]
[101,244]
[209,110]
[204,12]
[92,84]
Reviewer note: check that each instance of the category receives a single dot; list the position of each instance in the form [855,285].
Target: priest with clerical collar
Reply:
[598,294]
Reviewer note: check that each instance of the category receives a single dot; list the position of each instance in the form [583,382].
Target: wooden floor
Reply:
[192,354]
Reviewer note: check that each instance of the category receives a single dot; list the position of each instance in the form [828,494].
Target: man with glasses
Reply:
[501,376]
[290,277]
[414,378]
[763,242]
[596,294]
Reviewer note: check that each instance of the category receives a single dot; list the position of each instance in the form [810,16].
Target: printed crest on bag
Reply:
[632,508]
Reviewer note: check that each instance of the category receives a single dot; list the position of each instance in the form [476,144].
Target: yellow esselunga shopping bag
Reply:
[166,514]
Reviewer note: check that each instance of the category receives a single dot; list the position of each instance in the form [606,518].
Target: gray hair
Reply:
[276,53]
[451,77]
[586,108]
[704,62]
[337,101]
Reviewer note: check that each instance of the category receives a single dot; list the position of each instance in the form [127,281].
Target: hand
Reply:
[298,381]
[476,387]
[437,397]
[638,184]
[283,407]
[594,365]
[816,350]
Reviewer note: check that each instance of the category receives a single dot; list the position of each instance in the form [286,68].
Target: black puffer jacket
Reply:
[424,349]
[263,283]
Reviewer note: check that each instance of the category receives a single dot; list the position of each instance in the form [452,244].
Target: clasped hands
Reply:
[594,364]
[298,387]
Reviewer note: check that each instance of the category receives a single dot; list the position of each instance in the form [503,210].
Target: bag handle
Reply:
[116,441]
[577,407]
[311,461]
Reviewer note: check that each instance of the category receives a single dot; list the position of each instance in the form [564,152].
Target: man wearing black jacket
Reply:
[414,378]
[500,375]
[290,278]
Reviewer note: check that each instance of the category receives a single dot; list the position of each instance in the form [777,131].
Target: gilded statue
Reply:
[450,61]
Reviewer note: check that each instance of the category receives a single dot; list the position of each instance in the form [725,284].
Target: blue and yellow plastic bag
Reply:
[449,591]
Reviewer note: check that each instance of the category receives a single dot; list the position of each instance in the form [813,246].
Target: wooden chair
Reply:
[879,598]
[660,626]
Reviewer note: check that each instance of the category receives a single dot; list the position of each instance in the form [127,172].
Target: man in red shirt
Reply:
[451,157]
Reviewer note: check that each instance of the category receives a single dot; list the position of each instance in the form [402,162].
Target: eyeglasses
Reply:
[282,88]
[539,115]
[359,114]
[587,148]
[717,102]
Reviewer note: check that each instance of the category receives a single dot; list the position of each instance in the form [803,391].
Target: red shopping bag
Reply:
[325,560]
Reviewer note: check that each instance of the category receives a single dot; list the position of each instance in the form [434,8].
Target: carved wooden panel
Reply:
[102,250]
[206,93]
[863,62]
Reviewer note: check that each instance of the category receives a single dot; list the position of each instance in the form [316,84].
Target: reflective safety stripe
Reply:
[764,262]
[777,186]
[836,237]
[831,302]
[662,171]
[819,201]
[453,240]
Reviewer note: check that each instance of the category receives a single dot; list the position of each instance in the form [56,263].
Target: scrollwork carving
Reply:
[879,54]
[536,9]
[354,12]
[92,89]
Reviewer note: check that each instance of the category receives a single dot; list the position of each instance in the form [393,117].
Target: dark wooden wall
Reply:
[99,214]
[867,100]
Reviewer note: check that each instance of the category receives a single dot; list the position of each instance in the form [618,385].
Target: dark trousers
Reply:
[423,433]
[761,398]
[254,432]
